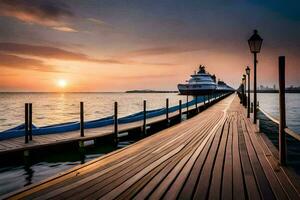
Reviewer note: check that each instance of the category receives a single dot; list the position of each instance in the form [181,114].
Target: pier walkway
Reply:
[218,154]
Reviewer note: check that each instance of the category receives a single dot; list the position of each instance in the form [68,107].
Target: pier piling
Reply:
[180,111]
[144,119]
[196,104]
[187,106]
[30,121]
[81,120]
[282,118]
[167,110]
[116,123]
[26,123]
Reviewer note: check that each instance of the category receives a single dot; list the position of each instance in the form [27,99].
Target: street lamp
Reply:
[248,101]
[255,42]
[244,80]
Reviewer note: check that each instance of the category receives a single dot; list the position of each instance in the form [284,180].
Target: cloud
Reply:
[17,62]
[42,12]
[48,52]
[65,29]
[161,51]
[97,21]
[143,77]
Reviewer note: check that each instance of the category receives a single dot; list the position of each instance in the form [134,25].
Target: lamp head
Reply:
[255,42]
[247,70]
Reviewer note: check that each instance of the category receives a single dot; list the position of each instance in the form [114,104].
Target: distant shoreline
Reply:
[277,91]
[150,91]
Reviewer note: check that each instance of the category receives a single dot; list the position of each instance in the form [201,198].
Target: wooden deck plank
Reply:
[216,181]
[286,184]
[178,184]
[112,180]
[123,174]
[238,179]
[189,186]
[150,187]
[138,156]
[249,177]
[202,188]
[227,171]
[270,174]
[261,179]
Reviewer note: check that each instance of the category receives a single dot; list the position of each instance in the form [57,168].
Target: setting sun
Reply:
[62,83]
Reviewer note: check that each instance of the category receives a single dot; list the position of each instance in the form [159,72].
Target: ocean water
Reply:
[270,103]
[54,108]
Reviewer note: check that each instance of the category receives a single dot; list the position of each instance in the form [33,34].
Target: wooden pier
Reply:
[40,142]
[218,154]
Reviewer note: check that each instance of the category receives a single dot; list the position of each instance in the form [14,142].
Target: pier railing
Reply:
[28,129]
[283,130]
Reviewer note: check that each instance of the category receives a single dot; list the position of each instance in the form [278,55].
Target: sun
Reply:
[62,83]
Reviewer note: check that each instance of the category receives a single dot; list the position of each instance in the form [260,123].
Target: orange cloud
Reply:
[48,52]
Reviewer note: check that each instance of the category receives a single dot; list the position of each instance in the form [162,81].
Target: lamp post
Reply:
[248,100]
[245,87]
[243,92]
[255,42]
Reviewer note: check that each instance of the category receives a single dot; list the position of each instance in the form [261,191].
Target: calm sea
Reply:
[53,108]
[270,103]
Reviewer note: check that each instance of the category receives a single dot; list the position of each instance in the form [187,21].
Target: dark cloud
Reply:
[17,62]
[42,12]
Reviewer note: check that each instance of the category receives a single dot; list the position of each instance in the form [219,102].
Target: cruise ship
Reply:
[222,87]
[200,83]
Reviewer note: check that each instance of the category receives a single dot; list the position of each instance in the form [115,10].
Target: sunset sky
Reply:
[118,45]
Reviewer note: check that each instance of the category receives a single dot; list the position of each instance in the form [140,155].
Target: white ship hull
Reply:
[196,89]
